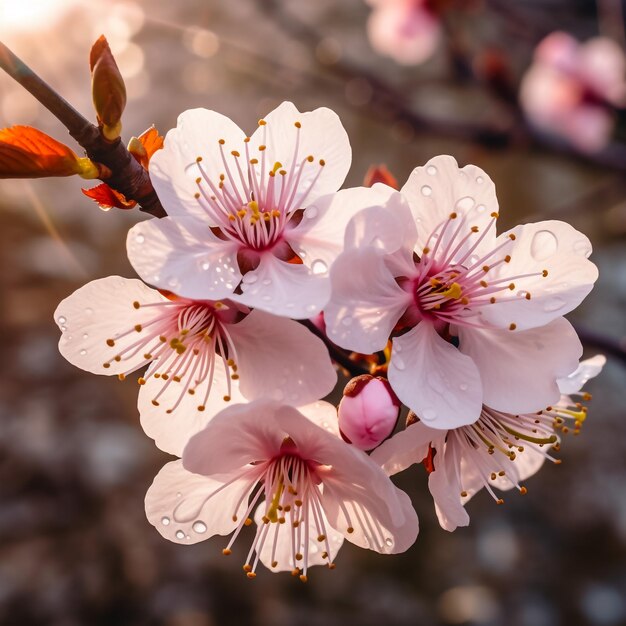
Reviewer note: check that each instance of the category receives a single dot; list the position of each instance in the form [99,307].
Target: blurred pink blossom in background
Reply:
[571,88]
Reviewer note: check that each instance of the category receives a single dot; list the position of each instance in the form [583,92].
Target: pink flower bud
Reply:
[368,412]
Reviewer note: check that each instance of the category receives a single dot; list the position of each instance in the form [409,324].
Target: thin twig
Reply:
[127,175]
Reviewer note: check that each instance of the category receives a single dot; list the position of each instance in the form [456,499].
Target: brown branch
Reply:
[127,175]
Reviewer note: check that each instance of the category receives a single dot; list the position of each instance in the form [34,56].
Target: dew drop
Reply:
[229,286]
[266,297]
[85,336]
[179,494]
[480,180]
[398,362]
[554,304]
[427,190]
[139,238]
[319,267]
[311,212]
[431,170]
[463,386]
[83,352]
[199,527]
[543,245]
[347,320]
[172,282]
[311,308]
[165,521]
[180,534]
[62,320]
[89,311]
[388,542]
[64,328]
[465,204]
[250,278]
[480,208]
[266,281]
[206,265]
[429,415]
[522,293]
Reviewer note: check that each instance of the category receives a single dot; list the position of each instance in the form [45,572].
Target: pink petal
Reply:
[172,431]
[550,245]
[406,448]
[439,188]
[173,169]
[186,508]
[434,379]
[284,288]
[537,357]
[366,301]
[321,135]
[182,255]
[323,414]
[587,369]
[281,359]
[99,312]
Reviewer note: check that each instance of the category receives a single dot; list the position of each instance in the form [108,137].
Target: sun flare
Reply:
[21,16]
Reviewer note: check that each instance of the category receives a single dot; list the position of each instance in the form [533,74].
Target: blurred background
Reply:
[410,79]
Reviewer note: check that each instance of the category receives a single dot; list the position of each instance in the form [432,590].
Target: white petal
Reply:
[406,448]
[553,246]
[172,431]
[320,234]
[439,188]
[284,289]
[281,359]
[434,379]
[238,435]
[519,370]
[587,369]
[445,489]
[100,311]
[173,169]
[366,301]
[182,255]
[323,414]
[321,136]
[187,508]
[282,552]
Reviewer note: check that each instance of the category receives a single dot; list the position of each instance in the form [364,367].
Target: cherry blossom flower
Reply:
[312,489]
[475,318]
[254,219]
[408,31]
[201,354]
[499,451]
[570,88]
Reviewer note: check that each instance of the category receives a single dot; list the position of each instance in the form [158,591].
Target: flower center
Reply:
[182,341]
[254,200]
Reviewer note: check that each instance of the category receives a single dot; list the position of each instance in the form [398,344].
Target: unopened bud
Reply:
[368,411]
[107,89]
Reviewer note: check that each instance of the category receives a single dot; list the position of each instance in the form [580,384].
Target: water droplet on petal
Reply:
[311,212]
[465,204]
[347,320]
[427,190]
[139,238]
[180,534]
[89,311]
[172,281]
[463,386]
[206,265]
[64,328]
[480,208]
[62,320]
[165,521]
[311,308]
[319,267]
[431,170]
[389,541]
[266,297]
[398,362]
[429,415]
[543,245]
[85,335]
[480,180]
[250,278]
[554,304]
[199,527]
[83,352]
[266,281]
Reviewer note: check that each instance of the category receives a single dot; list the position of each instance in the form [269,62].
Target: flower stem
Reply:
[127,175]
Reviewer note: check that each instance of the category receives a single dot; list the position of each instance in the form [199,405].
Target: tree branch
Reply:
[127,175]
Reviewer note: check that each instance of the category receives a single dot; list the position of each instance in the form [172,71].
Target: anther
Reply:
[155,402]
[110,342]
[512,237]
[310,158]
[507,258]
[499,501]
[227,551]
[483,283]
[512,326]
[221,142]
[138,327]
[226,398]
[198,159]
[262,147]
[251,575]
[512,286]
[463,494]
[485,268]
[106,365]
[453,215]
[523,490]
[141,381]
[121,376]
[492,300]
[235,153]
[262,122]
[201,407]
[322,162]
[274,563]
[495,215]
[136,304]
[198,180]
[474,229]
[544,273]
[350,529]
[297,125]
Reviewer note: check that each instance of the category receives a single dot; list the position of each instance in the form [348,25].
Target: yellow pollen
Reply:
[495,215]
[251,575]
[276,167]
[121,376]
[254,206]
[254,161]
[248,522]
[262,122]
[454,291]
[246,140]
[198,180]
[141,381]
[262,147]
[276,213]
[232,218]
[242,213]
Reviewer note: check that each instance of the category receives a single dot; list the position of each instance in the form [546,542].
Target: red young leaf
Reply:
[380,174]
[144,146]
[108,198]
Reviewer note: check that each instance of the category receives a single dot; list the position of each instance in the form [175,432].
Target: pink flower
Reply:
[570,88]
[499,451]
[475,318]
[253,219]
[201,353]
[312,489]
[408,31]
[368,411]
